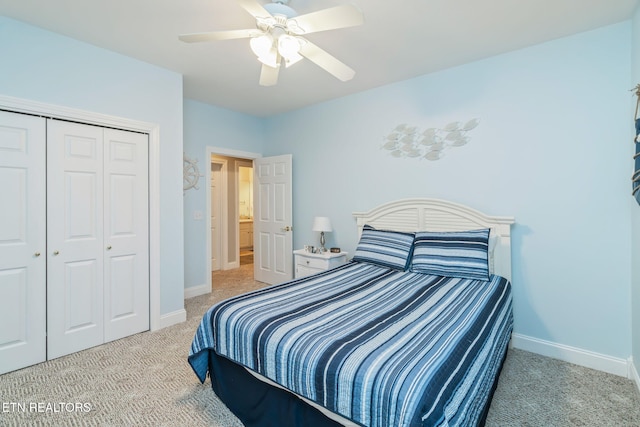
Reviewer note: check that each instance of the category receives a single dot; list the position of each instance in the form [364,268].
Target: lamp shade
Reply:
[261,45]
[322,223]
[289,48]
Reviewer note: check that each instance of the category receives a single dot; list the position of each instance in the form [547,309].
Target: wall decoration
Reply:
[431,144]
[190,173]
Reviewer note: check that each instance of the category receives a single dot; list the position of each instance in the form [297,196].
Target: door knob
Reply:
[37,254]
[287,228]
[56,252]
[109,247]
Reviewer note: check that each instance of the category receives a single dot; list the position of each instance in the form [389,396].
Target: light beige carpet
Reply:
[145,380]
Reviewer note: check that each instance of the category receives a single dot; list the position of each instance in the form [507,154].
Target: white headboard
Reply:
[441,215]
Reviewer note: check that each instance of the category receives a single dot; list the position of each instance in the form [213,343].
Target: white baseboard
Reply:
[633,373]
[231,265]
[577,356]
[173,318]
[194,291]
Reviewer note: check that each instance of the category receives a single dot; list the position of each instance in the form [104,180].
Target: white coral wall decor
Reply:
[190,173]
[431,144]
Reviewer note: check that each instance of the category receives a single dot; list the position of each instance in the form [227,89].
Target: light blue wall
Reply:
[209,126]
[551,149]
[42,66]
[635,210]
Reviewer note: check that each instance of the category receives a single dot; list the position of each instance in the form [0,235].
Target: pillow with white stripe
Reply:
[384,247]
[462,254]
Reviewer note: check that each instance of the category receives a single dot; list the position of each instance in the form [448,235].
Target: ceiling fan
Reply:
[277,37]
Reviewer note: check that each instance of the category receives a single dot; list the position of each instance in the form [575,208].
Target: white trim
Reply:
[196,291]
[173,318]
[153,129]
[232,153]
[232,265]
[223,253]
[577,356]
[219,151]
[248,163]
[633,373]
[154,229]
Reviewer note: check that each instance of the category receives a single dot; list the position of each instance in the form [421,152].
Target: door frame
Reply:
[247,164]
[223,255]
[19,105]
[226,152]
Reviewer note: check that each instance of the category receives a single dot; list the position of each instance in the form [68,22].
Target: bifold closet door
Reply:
[22,241]
[75,286]
[126,234]
[97,216]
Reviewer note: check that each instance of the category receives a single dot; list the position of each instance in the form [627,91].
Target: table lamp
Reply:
[322,224]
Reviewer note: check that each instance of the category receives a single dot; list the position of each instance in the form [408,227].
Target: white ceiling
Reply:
[400,39]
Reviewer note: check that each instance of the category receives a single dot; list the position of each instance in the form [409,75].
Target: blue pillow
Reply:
[386,248]
[463,254]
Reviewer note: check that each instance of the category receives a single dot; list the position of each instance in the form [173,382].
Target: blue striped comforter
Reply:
[378,346]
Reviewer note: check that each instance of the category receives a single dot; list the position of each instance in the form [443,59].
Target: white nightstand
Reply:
[306,263]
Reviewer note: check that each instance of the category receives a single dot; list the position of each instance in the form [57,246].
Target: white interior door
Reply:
[75,310]
[126,234]
[273,215]
[22,241]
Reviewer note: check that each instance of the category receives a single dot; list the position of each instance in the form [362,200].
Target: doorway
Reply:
[245,210]
[273,209]
[231,211]
[229,190]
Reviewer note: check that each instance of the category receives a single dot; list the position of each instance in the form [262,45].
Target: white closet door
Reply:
[22,241]
[126,232]
[75,312]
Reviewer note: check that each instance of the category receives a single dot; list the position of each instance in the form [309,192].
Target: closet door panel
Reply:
[126,232]
[22,241]
[75,239]
[79,293]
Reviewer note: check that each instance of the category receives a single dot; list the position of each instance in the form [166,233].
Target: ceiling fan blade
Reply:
[269,75]
[343,16]
[218,35]
[326,61]
[254,8]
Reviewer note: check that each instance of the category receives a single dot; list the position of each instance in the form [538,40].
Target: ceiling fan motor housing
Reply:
[280,8]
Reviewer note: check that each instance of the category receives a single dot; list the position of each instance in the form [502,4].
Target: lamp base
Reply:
[322,249]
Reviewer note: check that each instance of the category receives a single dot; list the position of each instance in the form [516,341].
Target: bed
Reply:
[412,331]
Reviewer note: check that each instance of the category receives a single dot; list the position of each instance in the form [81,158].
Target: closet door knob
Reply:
[56,252]
[109,247]
[37,254]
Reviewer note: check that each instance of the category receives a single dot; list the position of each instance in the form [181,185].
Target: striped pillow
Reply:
[383,247]
[462,254]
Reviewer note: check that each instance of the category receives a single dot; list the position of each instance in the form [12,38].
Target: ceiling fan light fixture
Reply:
[270,58]
[289,61]
[288,45]
[262,44]
[289,49]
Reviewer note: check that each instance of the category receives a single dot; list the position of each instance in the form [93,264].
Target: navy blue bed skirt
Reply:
[258,404]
